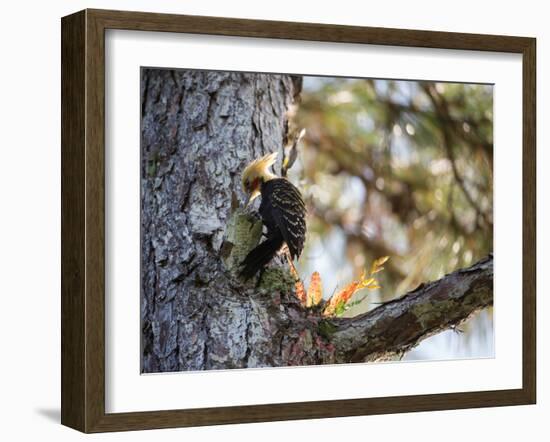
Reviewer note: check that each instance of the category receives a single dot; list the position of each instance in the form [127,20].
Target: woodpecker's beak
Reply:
[253,195]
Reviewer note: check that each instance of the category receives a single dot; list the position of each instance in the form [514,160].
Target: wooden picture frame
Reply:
[83,219]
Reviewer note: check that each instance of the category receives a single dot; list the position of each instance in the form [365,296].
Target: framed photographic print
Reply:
[267,220]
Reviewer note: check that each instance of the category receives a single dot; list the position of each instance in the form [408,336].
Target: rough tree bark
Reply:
[199,130]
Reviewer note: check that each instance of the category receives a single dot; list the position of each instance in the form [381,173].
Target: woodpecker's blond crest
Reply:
[256,173]
[259,169]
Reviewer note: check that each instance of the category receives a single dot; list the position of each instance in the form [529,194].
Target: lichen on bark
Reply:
[242,234]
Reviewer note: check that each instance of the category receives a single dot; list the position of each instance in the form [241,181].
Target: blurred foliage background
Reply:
[398,168]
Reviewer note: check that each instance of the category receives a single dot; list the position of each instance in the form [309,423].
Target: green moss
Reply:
[425,313]
[152,168]
[243,233]
[152,165]
[277,279]
[326,329]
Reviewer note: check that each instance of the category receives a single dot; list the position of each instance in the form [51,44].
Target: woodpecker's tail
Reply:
[258,257]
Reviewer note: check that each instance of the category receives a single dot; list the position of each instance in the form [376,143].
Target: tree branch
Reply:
[399,325]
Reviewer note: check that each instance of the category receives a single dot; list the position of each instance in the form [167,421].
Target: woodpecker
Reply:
[282,210]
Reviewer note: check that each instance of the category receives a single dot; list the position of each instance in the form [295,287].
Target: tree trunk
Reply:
[199,130]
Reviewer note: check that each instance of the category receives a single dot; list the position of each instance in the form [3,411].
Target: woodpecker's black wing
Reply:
[283,209]
[283,213]
[260,256]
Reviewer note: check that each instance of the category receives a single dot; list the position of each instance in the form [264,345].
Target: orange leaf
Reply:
[315,290]
[298,285]
[301,292]
[342,296]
